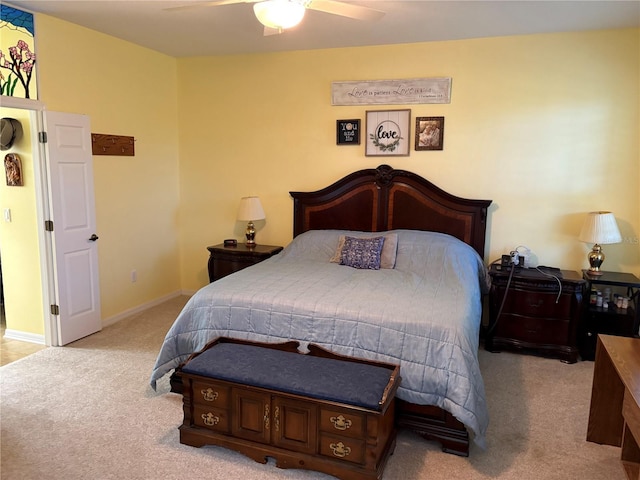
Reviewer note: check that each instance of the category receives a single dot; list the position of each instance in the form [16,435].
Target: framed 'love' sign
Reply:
[388,133]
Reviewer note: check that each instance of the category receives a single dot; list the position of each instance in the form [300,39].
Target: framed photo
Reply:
[348,132]
[388,133]
[429,133]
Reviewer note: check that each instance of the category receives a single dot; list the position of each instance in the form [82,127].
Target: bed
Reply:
[422,309]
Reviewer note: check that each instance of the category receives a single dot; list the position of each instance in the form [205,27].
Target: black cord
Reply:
[492,327]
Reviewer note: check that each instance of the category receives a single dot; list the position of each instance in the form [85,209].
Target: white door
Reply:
[70,171]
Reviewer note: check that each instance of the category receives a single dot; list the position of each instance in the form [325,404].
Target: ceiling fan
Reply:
[278,15]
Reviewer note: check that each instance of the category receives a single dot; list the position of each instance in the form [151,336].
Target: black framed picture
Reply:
[348,132]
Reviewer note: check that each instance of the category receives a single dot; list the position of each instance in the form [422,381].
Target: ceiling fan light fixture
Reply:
[279,14]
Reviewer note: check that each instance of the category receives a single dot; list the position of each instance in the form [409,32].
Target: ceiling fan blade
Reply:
[214,3]
[345,9]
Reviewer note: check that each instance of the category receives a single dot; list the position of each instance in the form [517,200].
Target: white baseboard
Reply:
[24,336]
[39,339]
[140,308]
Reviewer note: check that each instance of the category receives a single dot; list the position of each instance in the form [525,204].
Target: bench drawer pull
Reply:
[210,419]
[340,423]
[209,395]
[340,449]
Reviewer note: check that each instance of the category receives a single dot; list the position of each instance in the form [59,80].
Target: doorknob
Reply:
[93,237]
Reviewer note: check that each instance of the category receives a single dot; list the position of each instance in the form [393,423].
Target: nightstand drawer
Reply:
[540,314]
[226,266]
[224,261]
[537,304]
[534,329]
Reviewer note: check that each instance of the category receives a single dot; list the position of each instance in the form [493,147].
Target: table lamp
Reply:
[599,228]
[250,210]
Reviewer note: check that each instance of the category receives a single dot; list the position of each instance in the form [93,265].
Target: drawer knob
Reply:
[210,419]
[340,423]
[209,395]
[339,449]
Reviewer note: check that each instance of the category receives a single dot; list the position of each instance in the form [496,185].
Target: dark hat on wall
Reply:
[10,131]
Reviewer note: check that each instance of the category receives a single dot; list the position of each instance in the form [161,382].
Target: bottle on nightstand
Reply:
[619,315]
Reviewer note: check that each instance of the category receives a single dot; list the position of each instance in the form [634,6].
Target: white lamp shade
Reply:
[250,209]
[279,14]
[601,228]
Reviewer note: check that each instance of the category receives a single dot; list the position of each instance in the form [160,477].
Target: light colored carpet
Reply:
[86,411]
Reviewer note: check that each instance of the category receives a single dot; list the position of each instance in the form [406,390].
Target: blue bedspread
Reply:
[424,314]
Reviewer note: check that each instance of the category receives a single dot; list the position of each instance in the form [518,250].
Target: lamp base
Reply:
[596,257]
[250,233]
[594,273]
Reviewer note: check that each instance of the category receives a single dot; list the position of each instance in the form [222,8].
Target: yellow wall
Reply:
[126,90]
[19,238]
[544,125]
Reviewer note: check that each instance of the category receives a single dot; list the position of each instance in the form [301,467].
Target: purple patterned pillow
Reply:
[362,253]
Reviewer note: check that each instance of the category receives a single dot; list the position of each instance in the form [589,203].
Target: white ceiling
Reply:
[233,29]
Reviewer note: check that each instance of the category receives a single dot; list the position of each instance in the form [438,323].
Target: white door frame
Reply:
[42,213]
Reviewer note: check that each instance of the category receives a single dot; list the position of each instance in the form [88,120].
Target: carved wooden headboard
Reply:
[375,200]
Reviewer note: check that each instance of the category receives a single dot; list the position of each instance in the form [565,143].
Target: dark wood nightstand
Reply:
[224,261]
[611,320]
[539,316]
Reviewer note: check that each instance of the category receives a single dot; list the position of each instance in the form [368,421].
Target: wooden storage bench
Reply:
[316,411]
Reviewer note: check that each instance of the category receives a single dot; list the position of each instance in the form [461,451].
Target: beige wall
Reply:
[545,125]
[126,90]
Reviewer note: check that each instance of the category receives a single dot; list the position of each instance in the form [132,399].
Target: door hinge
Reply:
[55,310]
[48,225]
[42,137]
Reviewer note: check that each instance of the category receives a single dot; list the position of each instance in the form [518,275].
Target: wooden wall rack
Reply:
[117,145]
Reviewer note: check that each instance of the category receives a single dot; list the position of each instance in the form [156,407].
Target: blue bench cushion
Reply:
[329,379]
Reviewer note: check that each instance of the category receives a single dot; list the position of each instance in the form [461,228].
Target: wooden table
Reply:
[614,416]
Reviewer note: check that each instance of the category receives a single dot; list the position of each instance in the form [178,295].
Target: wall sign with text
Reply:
[392,92]
[348,132]
[388,133]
